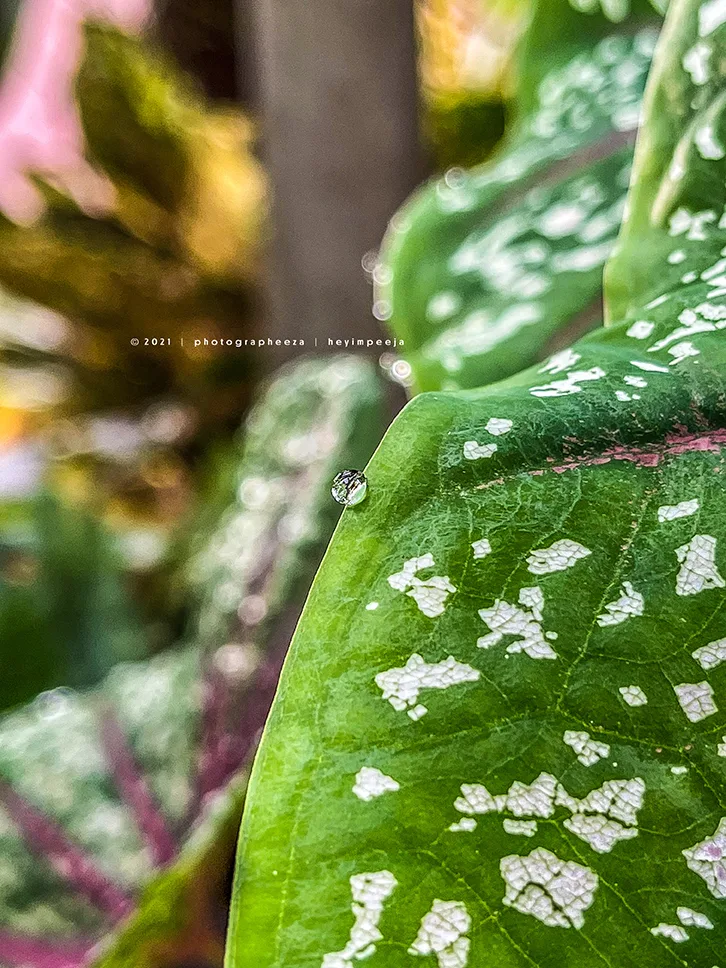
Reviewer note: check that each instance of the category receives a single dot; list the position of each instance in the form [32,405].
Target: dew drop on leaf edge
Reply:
[349,487]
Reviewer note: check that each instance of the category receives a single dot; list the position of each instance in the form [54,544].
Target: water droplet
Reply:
[382,309]
[349,487]
[386,361]
[455,178]
[382,275]
[369,262]
[402,373]
[55,702]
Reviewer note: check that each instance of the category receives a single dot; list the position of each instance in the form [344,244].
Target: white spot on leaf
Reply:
[708,860]
[633,695]
[671,931]
[430,594]
[698,571]
[475,451]
[571,384]
[588,750]
[617,799]
[481,548]
[629,604]
[711,15]
[693,919]
[711,655]
[535,799]
[681,352]
[466,824]
[561,361]
[696,700]
[554,891]
[709,147]
[498,426]
[443,305]
[601,833]
[684,509]
[641,329]
[649,367]
[370,891]
[402,579]
[371,782]
[520,828]
[402,686]
[615,807]
[559,556]
[695,62]
[505,619]
[443,933]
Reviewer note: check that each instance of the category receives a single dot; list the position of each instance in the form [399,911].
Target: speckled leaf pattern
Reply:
[312,416]
[119,807]
[500,739]
[487,270]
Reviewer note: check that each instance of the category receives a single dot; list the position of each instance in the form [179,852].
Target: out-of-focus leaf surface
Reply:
[109,377]
[466,66]
[500,737]
[65,615]
[251,575]
[191,163]
[485,271]
[97,793]
[313,418]
[175,258]
[119,808]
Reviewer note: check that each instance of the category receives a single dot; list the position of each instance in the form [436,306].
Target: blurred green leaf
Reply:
[313,419]
[65,613]
[118,808]
[485,271]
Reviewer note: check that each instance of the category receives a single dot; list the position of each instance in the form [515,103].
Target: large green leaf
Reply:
[485,271]
[119,808]
[500,737]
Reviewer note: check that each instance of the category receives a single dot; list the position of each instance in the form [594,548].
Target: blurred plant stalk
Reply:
[339,99]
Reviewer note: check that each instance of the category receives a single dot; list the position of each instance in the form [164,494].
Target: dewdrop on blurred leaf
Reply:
[349,487]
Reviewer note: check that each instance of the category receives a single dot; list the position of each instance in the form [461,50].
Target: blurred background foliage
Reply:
[113,457]
[467,74]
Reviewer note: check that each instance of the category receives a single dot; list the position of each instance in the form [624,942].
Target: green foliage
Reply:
[176,256]
[118,808]
[311,418]
[463,127]
[500,735]
[8,16]
[65,615]
[487,270]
